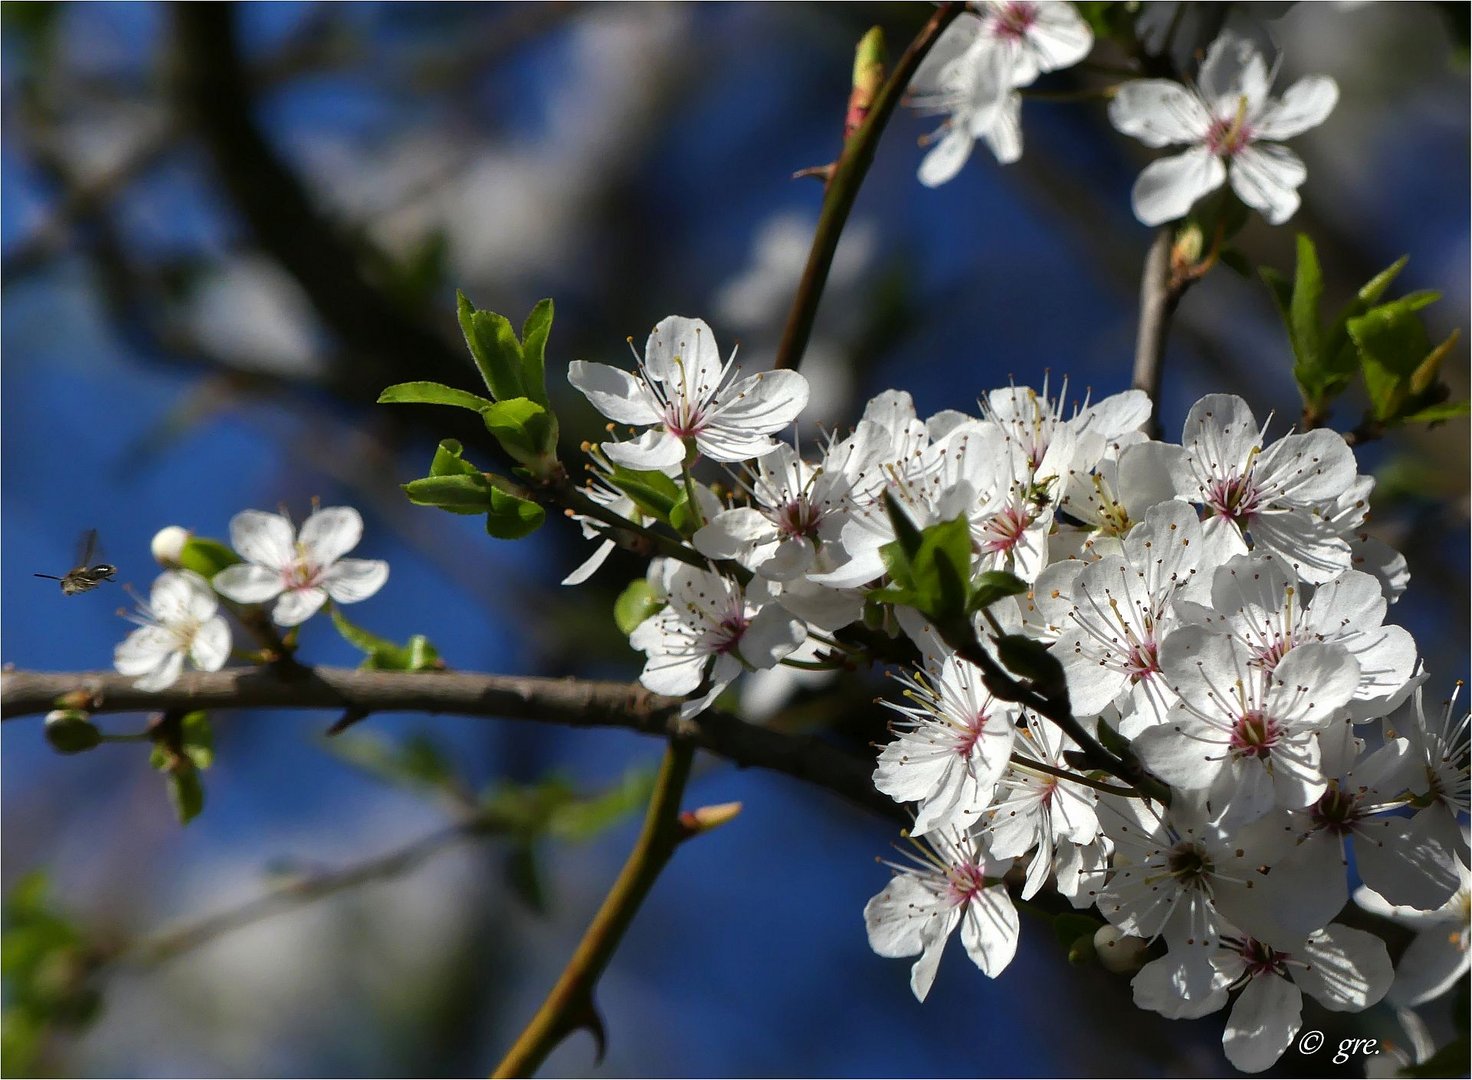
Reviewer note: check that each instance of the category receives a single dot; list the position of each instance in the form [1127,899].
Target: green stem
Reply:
[570,1004]
[843,188]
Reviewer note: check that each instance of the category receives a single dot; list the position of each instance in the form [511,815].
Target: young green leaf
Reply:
[510,517]
[635,604]
[465,493]
[534,334]
[186,794]
[493,344]
[432,393]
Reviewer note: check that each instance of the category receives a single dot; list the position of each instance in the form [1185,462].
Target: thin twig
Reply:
[293,893]
[1158,300]
[575,702]
[843,188]
[570,1004]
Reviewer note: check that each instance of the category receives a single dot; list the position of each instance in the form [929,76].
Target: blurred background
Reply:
[225,228]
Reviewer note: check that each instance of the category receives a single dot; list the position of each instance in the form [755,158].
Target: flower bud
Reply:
[70,732]
[168,545]
[1123,954]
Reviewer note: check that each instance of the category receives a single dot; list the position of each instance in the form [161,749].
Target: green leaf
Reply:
[1281,290]
[654,493]
[383,654]
[524,875]
[186,794]
[493,344]
[465,493]
[197,738]
[431,393]
[1434,414]
[534,333]
[448,461]
[511,517]
[585,818]
[1034,661]
[930,568]
[1392,343]
[206,557]
[1308,290]
[635,604]
[1069,928]
[684,518]
[527,430]
[417,763]
[992,586]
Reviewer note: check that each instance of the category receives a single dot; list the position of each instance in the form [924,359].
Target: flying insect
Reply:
[86,574]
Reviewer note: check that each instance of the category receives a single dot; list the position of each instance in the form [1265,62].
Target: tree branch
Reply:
[569,1005]
[574,702]
[1158,300]
[843,188]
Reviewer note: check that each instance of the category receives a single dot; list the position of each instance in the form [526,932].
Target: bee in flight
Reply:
[86,574]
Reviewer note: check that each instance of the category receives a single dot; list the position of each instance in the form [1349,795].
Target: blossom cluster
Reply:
[1215,606]
[1231,125]
[271,562]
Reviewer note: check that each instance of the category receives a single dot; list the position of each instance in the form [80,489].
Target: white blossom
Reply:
[179,622]
[302,569]
[1232,127]
[709,618]
[684,395]
[951,881]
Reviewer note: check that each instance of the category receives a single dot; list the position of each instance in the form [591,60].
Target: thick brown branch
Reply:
[575,702]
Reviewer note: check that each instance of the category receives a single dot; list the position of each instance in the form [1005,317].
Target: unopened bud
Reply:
[1189,244]
[1121,953]
[69,731]
[168,545]
[709,817]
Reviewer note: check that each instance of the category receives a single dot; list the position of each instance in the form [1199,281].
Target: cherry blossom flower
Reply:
[1233,130]
[179,622]
[684,395]
[1441,751]
[1344,969]
[1112,615]
[972,73]
[950,882]
[302,569]
[709,618]
[951,747]
[1257,495]
[1246,737]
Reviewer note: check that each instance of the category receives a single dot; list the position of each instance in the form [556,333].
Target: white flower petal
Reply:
[1233,68]
[249,583]
[1262,1023]
[1159,112]
[591,564]
[265,539]
[349,580]
[164,675]
[211,646]
[653,451]
[945,158]
[1168,188]
[1266,176]
[143,650]
[1307,103]
[614,392]
[330,533]
[1348,970]
[682,354]
[296,606]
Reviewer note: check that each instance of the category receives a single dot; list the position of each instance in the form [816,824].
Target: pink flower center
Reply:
[1004,530]
[1011,22]
[967,737]
[1228,136]
[1142,660]
[1255,734]
[1336,811]
[685,419]
[1262,959]
[302,574]
[963,882]
[1235,498]
[799,519]
[726,634]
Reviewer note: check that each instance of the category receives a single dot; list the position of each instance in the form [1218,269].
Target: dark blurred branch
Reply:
[295,892]
[575,702]
[843,188]
[215,93]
